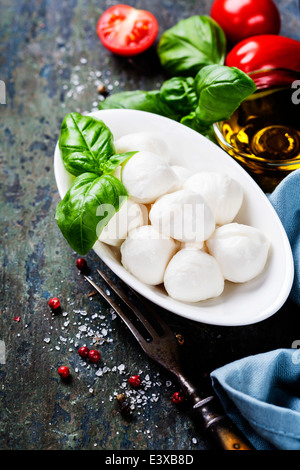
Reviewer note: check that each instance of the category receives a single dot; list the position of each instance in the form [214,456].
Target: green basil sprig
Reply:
[190,45]
[87,207]
[212,96]
[87,151]
[175,99]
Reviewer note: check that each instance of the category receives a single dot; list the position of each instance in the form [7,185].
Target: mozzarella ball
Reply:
[183,174]
[240,250]
[131,215]
[193,275]
[148,141]
[146,176]
[222,193]
[145,253]
[183,215]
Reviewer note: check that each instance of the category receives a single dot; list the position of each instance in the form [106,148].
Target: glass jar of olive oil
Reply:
[263,134]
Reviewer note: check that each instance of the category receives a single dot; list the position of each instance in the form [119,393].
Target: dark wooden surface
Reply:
[51,62]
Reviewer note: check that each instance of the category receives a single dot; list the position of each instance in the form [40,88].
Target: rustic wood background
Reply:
[52,62]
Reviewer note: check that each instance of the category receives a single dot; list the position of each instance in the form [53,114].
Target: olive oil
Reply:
[264,133]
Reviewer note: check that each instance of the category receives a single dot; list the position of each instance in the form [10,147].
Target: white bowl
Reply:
[239,304]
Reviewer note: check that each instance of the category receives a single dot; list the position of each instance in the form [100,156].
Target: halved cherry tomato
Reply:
[126,31]
[241,19]
[267,51]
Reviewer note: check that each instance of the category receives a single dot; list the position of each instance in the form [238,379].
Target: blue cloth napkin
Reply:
[261,393]
[286,201]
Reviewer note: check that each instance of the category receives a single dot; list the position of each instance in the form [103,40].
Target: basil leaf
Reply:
[179,94]
[190,45]
[149,101]
[87,207]
[113,162]
[220,90]
[84,142]
[138,99]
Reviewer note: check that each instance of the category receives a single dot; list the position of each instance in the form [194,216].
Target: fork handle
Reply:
[221,429]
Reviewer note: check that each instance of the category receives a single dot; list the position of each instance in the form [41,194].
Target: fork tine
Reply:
[164,326]
[132,307]
[162,349]
[119,311]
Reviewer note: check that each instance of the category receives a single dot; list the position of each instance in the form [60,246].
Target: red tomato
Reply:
[265,52]
[126,31]
[241,19]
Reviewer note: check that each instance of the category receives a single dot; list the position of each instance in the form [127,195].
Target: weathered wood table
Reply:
[52,63]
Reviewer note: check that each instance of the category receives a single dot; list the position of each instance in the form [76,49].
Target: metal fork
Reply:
[158,341]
